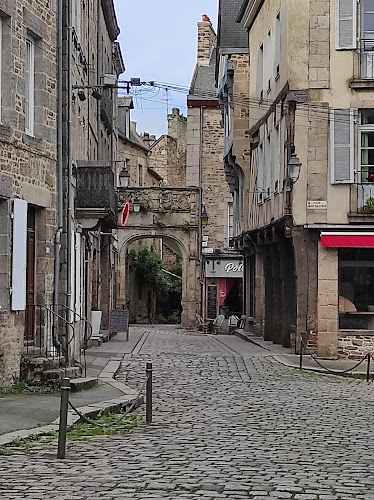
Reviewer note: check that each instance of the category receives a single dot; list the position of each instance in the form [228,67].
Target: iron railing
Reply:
[362,198]
[57,332]
[367,59]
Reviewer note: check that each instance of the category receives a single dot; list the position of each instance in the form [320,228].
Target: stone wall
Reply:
[319,44]
[27,162]
[216,191]
[169,152]
[355,346]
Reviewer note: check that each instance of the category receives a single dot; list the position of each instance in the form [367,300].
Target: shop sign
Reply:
[224,268]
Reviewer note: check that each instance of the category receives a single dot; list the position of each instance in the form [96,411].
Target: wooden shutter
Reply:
[346,24]
[342,146]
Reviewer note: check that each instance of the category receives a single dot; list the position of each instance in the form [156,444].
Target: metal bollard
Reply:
[301,357]
[368,369]
[65,388]
[148,394]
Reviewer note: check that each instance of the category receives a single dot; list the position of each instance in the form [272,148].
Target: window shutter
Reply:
[342,144]
[19,255]
[346,24]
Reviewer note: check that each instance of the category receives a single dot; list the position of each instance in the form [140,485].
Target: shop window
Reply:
[356,288]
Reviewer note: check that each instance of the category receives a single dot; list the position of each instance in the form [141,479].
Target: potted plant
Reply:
[369,206]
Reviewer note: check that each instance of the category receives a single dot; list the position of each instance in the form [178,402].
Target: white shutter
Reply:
[346,24]
[19,253]
[342,146]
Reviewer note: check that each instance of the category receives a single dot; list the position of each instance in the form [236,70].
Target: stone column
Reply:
[328,302]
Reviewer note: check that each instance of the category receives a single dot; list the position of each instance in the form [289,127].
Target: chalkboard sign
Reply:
[119,321]
[212,302]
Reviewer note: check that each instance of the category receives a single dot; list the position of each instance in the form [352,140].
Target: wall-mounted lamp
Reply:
[96,95]
[81,95]
[124,178]
[294,167]
[204,216]
[136,206]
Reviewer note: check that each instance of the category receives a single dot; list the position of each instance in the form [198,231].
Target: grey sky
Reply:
[158,41]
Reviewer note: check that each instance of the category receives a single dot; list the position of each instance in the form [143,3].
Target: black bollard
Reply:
[148,394]
[368,369]
[65,390]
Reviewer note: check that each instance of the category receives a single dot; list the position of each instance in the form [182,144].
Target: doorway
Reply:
[30,277]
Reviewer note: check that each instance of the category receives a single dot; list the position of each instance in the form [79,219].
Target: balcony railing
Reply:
[367,59]
[362,198]
[95,189]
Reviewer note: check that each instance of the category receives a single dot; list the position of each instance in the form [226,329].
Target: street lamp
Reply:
[136,206]
[204,216]
[124,178]
[294,166]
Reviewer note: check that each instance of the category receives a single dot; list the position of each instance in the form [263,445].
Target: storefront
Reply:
[223,286]
[350,279]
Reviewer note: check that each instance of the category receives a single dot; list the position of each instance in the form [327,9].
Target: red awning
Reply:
[347,240]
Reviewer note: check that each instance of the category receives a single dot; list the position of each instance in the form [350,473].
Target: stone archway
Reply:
[171,215]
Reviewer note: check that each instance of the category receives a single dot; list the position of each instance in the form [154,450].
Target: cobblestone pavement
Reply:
[226,425]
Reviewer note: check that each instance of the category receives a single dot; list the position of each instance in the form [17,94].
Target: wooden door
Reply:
[30,278]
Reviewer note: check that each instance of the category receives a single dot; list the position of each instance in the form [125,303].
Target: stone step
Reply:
[53,377]
[95,341]
[83,383]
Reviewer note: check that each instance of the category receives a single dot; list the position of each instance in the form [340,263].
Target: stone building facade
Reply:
[27,170]
[169,151]
[222,291]
[306,218]
[57,176]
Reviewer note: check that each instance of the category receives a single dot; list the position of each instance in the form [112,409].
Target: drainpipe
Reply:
[98,82]
[70,193]
[202,279]
[60,208]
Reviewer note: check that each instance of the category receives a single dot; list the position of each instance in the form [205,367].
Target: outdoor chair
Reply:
[217,323]
[203,325]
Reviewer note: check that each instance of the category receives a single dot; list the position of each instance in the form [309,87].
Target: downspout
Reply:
[202,277]
[60,207]
[70,194]
[98,82]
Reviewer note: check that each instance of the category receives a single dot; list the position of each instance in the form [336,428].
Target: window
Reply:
[267,173]
[345,24]
[140,176]
[366,142]
[76,17]
[276,158]
[30,86]
[260,174]
[342,146]
[260,74]
[1,51]
[356,288]
[230,207]
[270,61]
[277,54]
[367,36]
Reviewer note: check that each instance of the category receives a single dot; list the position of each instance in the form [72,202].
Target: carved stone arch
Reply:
[190,288]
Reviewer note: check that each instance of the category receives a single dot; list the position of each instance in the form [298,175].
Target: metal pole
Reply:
[368,369]
[301,356]
[148,394]
[65,388]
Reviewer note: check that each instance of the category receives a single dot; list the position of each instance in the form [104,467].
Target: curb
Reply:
[280,359]
[106,376]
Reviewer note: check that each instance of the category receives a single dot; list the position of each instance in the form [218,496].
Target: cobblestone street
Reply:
[226,425]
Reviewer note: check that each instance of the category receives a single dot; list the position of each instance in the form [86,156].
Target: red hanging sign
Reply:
[125,214]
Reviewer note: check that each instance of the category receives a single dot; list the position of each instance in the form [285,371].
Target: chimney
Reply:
[206,40]
[146,140]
